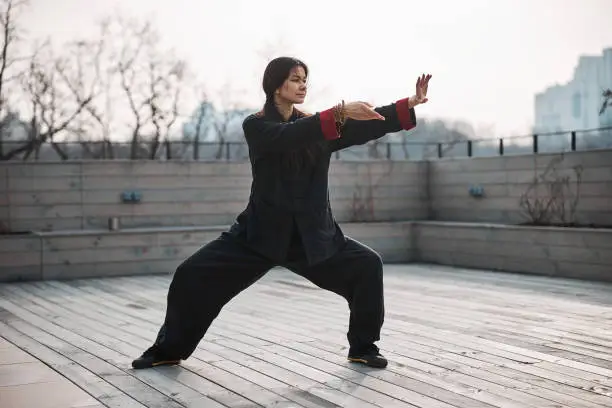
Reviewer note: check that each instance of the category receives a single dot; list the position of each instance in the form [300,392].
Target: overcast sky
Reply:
[488,57]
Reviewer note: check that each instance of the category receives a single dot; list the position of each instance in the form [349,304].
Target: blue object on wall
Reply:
[136,196]
[476,191]
[131,196]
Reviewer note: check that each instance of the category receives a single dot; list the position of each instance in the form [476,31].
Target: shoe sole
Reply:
[166,362]
[156,364]
[366,362]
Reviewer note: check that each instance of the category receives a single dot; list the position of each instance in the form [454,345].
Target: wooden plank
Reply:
[505,373]
[290,393]
[176,193]
[167,221]
[199,354]
[242,324]
[51,211]
[38,170]
[93,350]
[455,338]
[41,214]
[77,256]
[128,238]
[100,324]
[85,379]
[113,253]
[589,328]
[507,203]
[514,190]
[497,281]
[48,224]
[104,365]
[574,237]
[99,337]
[479,315]
[45,198]
[590,190]
[552,253]
[582,318]
[20,259]
[33,185]
[391,385]
[184,377]
[19,243]
[152,168]
[121,182]
[109,269]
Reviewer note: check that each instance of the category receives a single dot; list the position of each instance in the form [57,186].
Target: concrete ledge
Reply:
[20,257]
[584,253]
[135,251]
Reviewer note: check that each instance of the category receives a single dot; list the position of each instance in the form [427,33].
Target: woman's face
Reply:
[293,89]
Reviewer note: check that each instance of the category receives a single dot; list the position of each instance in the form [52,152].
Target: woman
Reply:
[288,220]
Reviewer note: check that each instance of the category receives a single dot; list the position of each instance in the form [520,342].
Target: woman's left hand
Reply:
[421,91]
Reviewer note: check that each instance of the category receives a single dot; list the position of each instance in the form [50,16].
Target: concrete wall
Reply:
[568,252]
[505,179]
[83,195]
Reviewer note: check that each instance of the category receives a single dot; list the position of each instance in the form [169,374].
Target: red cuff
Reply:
[405,114]
[328,124]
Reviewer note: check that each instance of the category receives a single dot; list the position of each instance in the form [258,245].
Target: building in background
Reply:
[576,105]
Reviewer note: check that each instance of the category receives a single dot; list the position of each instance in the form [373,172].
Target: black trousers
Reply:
[217,272]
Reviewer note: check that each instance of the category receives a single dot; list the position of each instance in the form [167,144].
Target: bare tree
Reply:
[83,74]
[200,121]
[9,13]
[55,100]
[549,198]
[363,203]
[165,86]
[94,65]
[221,124]
[434,137]
[152,81]
[222,120]
[607,100]
[133,39]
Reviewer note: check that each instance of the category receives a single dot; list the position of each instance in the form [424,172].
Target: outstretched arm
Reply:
[267,136]
[397,116]
[391,118]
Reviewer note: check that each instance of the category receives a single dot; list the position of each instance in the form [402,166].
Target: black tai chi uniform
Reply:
[287,222]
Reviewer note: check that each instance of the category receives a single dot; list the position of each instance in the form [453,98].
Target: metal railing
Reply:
[406,149]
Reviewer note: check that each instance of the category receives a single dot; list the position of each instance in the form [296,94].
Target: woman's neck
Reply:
[284,108]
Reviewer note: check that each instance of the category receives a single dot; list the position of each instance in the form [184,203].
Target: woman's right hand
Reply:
[361,111]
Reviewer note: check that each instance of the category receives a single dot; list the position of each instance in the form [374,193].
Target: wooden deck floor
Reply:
[455,338]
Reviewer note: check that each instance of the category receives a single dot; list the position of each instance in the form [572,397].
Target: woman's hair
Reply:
[275,75]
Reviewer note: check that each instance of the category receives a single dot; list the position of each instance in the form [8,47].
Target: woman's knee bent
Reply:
[372,266]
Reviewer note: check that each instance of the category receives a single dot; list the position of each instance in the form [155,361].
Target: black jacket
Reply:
[285,204]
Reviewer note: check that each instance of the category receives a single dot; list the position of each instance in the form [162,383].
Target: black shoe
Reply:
[153,358]
[370,357]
